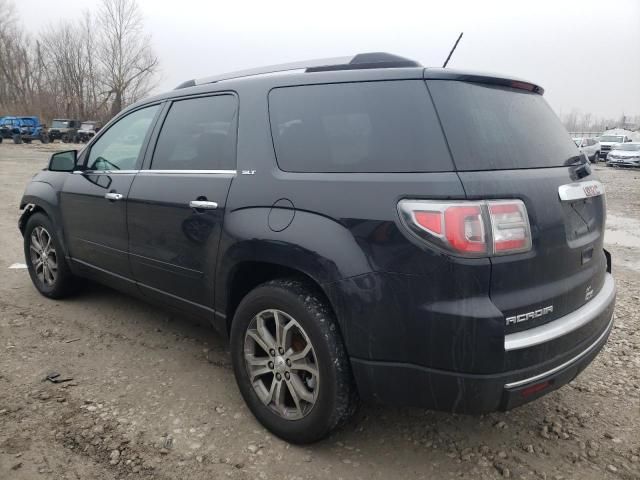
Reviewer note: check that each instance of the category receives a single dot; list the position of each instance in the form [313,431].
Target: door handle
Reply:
[203,205]
[113,196]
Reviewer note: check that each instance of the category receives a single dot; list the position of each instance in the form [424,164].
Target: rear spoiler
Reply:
[478,77]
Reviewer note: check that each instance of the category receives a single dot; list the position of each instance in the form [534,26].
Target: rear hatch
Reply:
[507,144]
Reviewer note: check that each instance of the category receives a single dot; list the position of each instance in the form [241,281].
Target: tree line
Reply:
[88,68]
[575,121]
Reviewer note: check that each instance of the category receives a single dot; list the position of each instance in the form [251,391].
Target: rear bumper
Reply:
[415,385]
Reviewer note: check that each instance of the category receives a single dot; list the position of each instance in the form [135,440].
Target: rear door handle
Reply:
[203,205]
[113,196]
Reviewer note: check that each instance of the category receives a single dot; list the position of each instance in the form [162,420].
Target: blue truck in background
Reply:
[22,129]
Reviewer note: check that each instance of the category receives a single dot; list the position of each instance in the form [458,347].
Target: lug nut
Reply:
[272,352]
[286,375]
[271,365]
[288,362]
[278,376]
[281,350]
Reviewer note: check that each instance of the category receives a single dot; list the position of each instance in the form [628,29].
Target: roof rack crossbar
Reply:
[360,61]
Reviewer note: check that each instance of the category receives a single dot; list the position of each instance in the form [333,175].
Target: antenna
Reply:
[452,50]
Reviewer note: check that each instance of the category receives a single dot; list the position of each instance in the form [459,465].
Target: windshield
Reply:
[60,124]
[499,128]
[611,138]
[629,147]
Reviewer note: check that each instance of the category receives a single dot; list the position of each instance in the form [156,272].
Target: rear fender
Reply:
[314,245]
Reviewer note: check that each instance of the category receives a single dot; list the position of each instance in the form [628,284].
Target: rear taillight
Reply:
[476,228]
[509,226]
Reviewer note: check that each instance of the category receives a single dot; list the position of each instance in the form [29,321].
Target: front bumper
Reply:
[415,385]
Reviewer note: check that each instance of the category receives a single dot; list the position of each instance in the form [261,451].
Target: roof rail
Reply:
[356,62]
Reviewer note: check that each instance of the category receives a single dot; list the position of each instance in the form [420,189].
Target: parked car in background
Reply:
[624,155]
[352,226]
[87,130]
[64,129]
[23,129]
[608,141]
[589,146]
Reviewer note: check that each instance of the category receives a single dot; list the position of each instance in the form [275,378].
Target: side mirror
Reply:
[63,161]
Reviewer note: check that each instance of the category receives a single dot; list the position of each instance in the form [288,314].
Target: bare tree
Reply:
[125,53]
[87,69]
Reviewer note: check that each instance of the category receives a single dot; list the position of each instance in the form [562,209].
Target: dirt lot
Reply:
[153,396]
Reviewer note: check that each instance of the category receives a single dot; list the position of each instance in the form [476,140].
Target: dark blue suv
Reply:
[358,227]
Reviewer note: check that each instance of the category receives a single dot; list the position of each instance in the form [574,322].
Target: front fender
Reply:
[41,196]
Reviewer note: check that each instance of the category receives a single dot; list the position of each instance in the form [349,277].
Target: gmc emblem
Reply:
[524,317]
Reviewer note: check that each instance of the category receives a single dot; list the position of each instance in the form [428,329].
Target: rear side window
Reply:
[495,128]
[198,134]
[386,126]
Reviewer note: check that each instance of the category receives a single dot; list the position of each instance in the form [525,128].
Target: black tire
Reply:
[65,138]
[17,139]
[0,139]
[64,283]
[44,139]
[336,399]
[27,140]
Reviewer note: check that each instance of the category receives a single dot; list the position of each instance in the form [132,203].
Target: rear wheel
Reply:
[290,363]
[45,259]
[65,138]
[44,138]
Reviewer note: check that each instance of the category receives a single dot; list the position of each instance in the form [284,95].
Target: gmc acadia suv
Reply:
[360,227]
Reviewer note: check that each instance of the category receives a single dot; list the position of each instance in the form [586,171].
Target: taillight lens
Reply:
[509,226]
[475,228]
[464,228]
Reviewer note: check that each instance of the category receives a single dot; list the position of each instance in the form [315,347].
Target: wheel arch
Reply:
[40,197]
[248,274]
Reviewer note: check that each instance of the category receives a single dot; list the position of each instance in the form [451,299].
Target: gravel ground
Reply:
[153,396]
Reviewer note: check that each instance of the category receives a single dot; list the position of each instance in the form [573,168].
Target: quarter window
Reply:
[119,147]
[198,134]
[388,126]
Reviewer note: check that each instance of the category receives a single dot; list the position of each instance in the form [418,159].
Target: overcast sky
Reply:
[586,54]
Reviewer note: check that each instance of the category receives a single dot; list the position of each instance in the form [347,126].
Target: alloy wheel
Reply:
[281,364]
[43,256]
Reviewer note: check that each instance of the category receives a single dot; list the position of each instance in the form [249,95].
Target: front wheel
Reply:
[290,363]
[45,259]
[17,139]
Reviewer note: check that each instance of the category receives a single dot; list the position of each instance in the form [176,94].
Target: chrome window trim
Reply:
[564,325]
[565,364]
[155,172]
[578,191]
[105,172]
[188,172]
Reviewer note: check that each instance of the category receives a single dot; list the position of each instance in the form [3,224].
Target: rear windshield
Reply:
[388,126]
[494,128]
